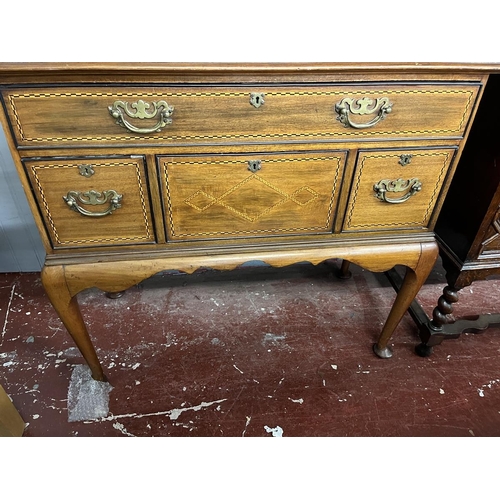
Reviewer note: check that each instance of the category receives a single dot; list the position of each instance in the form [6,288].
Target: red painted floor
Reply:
[252,352]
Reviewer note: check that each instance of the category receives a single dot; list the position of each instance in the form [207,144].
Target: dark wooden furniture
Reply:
[468,228]
[131,169]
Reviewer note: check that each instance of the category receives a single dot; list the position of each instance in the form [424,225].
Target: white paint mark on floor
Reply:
[471,433]
[4,328]
[300,401]
[35,416]
[246,425]
[489,385]
[121,428]
[136,366]
[237,368]
[275,431]
[174,414]
[441,391]
[335,367]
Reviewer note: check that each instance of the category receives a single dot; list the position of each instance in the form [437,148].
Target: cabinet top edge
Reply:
[8,70]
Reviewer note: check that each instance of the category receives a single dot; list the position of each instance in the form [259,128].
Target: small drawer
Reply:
[87,202]
[396,189]
[209,197]
[87,117]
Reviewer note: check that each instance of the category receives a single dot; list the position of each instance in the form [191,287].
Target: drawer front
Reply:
[92,116]
[210,197]
[396,189]
[93,202]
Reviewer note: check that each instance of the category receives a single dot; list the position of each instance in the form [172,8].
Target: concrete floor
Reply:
[252,352]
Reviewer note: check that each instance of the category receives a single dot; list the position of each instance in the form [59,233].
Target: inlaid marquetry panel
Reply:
[239,196]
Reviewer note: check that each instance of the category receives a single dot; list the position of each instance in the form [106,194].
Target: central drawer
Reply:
[221,196]
[93,116]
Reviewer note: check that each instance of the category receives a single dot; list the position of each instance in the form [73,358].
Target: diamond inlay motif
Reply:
[251,198]
[304,196]
[200,201]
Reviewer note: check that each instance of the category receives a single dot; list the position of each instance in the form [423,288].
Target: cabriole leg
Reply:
[67,308]
[413,281]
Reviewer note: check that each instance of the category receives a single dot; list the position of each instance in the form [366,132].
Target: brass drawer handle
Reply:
[411,186]
[140,109]
[93,198]
[363,106]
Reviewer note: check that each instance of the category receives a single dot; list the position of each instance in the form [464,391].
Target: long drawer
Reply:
[93,116]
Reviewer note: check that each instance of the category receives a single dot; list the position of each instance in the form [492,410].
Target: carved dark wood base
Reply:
[443,326]
[442,314]
[423,350]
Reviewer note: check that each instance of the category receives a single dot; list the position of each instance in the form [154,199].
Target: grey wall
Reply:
[21,248]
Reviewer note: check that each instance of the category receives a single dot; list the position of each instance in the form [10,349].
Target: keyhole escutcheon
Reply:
[257,99]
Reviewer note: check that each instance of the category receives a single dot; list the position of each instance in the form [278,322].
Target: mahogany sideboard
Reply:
[131,169]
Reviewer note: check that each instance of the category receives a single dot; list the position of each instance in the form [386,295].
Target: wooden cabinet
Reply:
[131,169]
[468,228]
